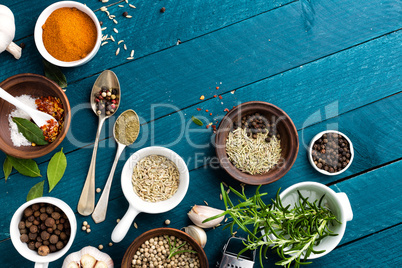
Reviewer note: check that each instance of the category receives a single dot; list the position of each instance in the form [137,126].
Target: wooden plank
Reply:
[352,124]
[281,44]
[204,183]
[306,106]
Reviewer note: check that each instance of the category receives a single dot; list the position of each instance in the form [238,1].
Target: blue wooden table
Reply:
[328,64]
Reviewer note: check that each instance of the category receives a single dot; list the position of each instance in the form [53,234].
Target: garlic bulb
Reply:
[7,32]
[88,257]
[198,214]
[197,233]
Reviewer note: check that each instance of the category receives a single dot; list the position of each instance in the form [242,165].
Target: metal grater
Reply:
[230,251]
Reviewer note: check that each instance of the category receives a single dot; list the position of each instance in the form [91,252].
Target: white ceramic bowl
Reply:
[310,149]
[338,203]
[42,19]
[22,248]
[138,205]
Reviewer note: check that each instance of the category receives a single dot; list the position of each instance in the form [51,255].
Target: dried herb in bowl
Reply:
[254,145]
[155,178]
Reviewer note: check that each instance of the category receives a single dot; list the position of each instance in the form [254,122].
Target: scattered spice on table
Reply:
[331,152]
[69,34]
[254,146]
[202,97]
[45,228]
[155,178]
[163,9]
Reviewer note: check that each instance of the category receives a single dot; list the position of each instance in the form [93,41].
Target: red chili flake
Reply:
[217,87]
[226,110]
[214,127]
[215,96]
[220,97]
[199,109]
[207,110]
[207,126]
[210,113]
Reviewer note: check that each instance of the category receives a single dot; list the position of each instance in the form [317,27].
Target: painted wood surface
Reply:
[328,64]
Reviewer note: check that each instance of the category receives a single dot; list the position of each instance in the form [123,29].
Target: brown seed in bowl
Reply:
[43,250]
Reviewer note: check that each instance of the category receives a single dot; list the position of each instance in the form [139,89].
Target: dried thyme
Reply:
[252,155]
[155,178]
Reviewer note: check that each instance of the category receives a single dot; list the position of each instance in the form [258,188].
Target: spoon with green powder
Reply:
[125,132]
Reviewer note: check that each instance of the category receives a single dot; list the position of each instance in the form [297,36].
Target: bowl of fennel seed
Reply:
[256,143]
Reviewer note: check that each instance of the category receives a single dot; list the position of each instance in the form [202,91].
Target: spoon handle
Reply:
[99,214]
[87,199]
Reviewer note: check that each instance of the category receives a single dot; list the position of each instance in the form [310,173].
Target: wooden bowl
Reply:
[37,86]
[285,127]
[132,249]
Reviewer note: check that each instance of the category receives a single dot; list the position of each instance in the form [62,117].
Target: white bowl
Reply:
[22,248]
[138,205]
[338,203]
[310,149]
[38,33]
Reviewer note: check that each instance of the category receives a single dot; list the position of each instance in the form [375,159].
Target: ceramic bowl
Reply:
[285,127]
[132,249]
[42,19]
[310,150]
[22,248]
[136,204]
[338,203]
[37,86]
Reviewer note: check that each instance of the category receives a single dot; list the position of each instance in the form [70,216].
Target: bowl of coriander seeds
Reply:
[164,247]
[256,143]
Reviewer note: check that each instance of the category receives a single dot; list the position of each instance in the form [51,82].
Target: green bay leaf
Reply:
[197,121]
[27,167]
[30,131]
[7,168]
[56,168]
[55,74]
[36,191]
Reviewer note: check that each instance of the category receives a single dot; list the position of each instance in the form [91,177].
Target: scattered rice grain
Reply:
[111,38]
[206,203]
[121,41]
[132,6]
[135,225]
[103,8]
[117,51]
[115,30]
[120,5]
[132,53]
[104,43]
[130,58]
[224,183]
[125,47]
[104,28]
[115,21]
[129,16]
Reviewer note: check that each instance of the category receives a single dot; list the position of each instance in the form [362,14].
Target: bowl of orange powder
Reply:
[67,34]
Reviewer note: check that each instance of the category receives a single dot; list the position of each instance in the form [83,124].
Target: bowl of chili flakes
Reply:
[49,98]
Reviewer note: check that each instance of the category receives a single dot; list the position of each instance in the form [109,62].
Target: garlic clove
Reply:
[197,233]
[100,264]
[73,264]
[198,214]
[99,256]
[87,261]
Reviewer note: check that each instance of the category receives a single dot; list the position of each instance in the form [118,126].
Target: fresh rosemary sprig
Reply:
[173,250]
[292,231]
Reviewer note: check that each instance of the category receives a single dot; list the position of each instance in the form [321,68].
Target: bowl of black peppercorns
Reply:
[331,152]
[43,229]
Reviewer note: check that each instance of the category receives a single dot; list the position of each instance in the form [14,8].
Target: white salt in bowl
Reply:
[39,40]
[37,86]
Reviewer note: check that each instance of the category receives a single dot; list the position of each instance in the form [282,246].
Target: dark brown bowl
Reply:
[37,86]
[285,127]
[132,249]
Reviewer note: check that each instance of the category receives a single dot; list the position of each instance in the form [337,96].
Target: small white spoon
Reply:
[40,118]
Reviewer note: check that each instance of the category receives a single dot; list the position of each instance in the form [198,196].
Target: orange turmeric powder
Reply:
[69,34]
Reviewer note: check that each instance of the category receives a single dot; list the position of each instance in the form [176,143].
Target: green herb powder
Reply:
[127,127]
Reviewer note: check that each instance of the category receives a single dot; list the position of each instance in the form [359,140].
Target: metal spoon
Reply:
[99,214]
[87,199]
[40,118]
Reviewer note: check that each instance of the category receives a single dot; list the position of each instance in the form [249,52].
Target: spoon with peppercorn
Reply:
[125,132]
[105,100]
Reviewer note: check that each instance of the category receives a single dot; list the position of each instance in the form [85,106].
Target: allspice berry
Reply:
[53,239]
[49,222]
[43,250]
[28,212]
[45,235]
[59,245]
[24,238]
